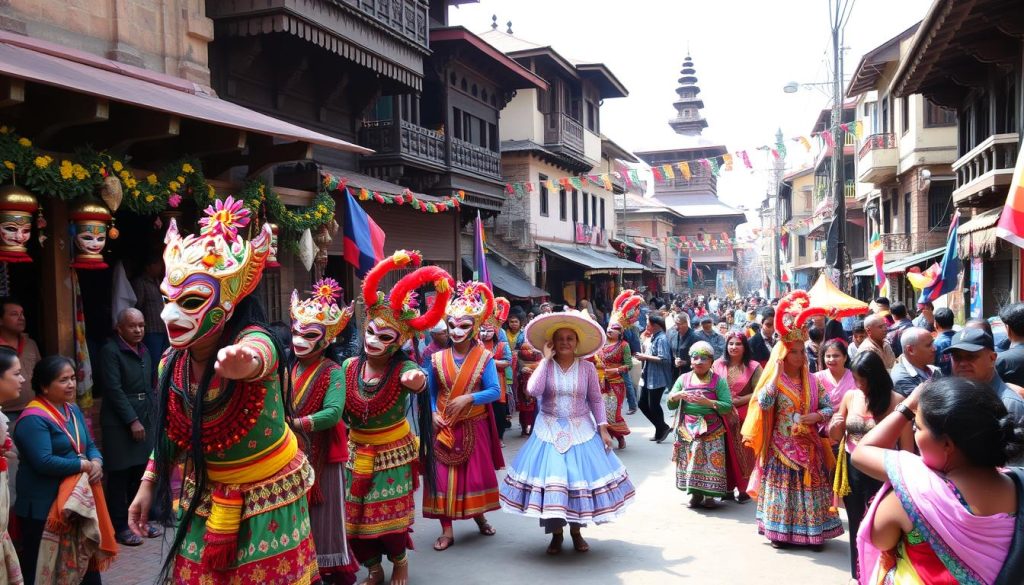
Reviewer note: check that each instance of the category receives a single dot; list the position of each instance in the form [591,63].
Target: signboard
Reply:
[977,290]
[725,284]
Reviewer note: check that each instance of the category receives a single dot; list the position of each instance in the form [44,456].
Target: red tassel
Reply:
[360,487]
[220,550]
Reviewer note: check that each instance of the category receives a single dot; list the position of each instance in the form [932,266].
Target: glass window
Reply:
[543,195]
[561,205]
[593,209]
[940,203]
[937,115]
[586,216]
[905,114]
[457,123]
[602,213]
[575,206]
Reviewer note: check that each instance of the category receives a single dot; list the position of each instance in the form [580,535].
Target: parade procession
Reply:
[366,292]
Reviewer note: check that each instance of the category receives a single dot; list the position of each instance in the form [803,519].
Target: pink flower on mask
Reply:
[224,218]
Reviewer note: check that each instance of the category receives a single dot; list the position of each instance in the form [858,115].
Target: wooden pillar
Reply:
[55,287]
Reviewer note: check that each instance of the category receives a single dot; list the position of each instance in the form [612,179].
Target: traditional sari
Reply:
[741,458]
[835,389]
[700,452]
[615,355]
[948,545]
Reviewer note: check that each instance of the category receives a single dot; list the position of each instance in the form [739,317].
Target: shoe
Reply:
[128,538]
[658,438]
[631,411]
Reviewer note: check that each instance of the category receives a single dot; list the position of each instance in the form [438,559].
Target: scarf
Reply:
[972,548]
[78,536]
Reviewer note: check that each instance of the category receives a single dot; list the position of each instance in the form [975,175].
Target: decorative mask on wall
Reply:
[17,206]
[89,227]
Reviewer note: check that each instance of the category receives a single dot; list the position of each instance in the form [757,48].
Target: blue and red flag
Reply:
[364,240]
[480,272]
[950,271]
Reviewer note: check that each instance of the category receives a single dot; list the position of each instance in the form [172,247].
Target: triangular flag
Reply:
[684,168]
[657,173]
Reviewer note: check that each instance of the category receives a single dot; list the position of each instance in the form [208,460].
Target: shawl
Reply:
[78,536]
[973,548]
[721,367]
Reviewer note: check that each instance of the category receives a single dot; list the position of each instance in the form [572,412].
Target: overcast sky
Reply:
[744,51]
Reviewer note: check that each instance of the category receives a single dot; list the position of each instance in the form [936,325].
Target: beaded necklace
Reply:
[371,398]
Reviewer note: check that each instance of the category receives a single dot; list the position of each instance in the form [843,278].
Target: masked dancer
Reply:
[383,465]
[494,340]
[463,384]
[223,413]
[318,401]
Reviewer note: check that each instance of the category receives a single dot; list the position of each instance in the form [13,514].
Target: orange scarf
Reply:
[76,518]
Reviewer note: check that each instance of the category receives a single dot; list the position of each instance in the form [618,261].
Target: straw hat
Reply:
[543,327]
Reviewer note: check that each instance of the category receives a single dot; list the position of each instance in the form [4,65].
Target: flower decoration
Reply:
[174,200]
[327,291]
[224,217]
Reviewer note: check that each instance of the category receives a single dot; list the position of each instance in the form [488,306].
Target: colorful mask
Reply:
[793,312]
[497,318]
[469,310]
[90,229]
[272,258]
[17,206]
[209,273]
[393,319]
[316,321]
[625,309]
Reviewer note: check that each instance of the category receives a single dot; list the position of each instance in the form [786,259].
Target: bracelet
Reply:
[905,411]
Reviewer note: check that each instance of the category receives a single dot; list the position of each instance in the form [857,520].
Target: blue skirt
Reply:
[584,484]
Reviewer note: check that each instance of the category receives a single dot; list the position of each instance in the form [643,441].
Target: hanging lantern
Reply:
[16,209]
[90,220]
[272,258]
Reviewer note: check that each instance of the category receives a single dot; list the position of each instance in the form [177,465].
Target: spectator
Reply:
[901,324]
[926,316]
[128,417]
[54,445]
[1010,363]
[12,334]
[150,301]
[679,341]
[708,334]
[815,335]
[763,341]
[915,366]
[974,358]
[943,337]
[11,379]
[859,334]
[972,514]
[881,307]
[656,377]
[874,326]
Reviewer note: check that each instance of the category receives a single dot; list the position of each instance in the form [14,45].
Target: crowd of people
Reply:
[280,454]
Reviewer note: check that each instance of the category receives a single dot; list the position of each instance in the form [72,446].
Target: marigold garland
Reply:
[82,174]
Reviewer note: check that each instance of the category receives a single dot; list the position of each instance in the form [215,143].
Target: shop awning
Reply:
[509,280]
[591,259]
[978,236]
[902,264]
[858,266]
[50,64]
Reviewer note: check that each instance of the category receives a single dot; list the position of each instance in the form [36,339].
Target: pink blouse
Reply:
[835,389]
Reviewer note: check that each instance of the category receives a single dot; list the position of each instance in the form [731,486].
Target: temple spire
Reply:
[689,120]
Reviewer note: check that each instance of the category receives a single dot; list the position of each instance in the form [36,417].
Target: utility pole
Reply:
[839,14]
[778,173]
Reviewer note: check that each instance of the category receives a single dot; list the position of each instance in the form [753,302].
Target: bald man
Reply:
[127,416]
[915,365]
[876,328]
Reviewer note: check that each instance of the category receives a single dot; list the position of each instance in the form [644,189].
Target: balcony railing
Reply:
[849,139]
[877,142]
[896,242]
[470,157]
[405,18]
[406,138]
[850,189]
[562,130]
[987,167]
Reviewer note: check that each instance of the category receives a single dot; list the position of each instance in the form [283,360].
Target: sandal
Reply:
[485,527]
[154,530]
[375,576]
[579,543]
[128,538]
[443,542]
[555,547]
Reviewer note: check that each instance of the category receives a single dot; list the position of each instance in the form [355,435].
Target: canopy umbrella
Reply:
[839,304]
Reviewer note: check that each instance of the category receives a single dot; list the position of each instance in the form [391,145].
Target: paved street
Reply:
[659,541]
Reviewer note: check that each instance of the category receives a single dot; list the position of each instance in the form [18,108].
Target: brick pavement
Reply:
[137,565]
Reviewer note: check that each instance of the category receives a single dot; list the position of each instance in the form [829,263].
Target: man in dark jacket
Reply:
[900,324]
[1010,363]
[680,339]
[128,418]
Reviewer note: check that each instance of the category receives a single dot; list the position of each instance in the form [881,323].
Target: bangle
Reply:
[905,411]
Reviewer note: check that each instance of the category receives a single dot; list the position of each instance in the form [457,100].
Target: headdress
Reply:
[472,299]
[591,335]
[702,348]
[398,309]
[499,315]
[792,313]
[322,308]
[217,264]
[626,308]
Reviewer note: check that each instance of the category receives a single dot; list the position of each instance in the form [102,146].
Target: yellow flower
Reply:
[151,179]
[66,169]
[118,166]
[187,168]
[80,172]
[173,186]
[135,193]
[150,198]
[124,175]
[9,164]
[43,161]
[181,179]
[211,190]
[130,183]
[25,142]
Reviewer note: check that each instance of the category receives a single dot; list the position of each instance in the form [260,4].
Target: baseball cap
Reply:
[971,339]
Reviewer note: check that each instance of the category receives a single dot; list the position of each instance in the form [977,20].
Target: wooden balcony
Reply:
[405,18]
[477,159]
[404,140]
[878,159]
[561,131]
[984,174]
